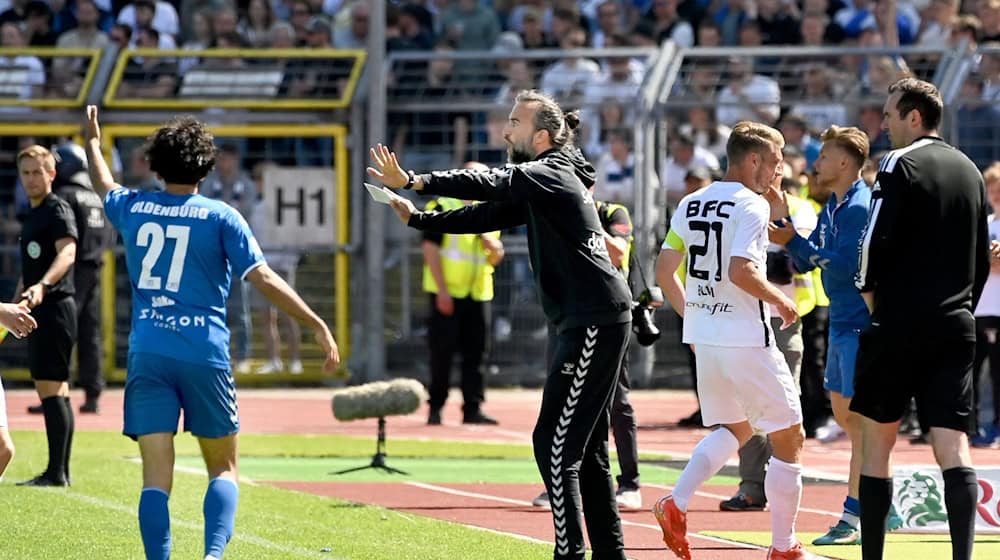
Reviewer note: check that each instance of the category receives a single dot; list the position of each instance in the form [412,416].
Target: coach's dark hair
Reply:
[551,118]
[920,96]
[182,152]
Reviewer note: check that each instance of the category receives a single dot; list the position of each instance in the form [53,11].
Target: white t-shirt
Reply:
[989,302]
[711,226]
[731,109]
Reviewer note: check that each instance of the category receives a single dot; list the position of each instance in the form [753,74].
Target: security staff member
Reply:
[928,206]
[458,277]
[73,186]
[48,250]
[581,291]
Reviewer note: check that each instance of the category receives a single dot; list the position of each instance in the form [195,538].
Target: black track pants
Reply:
[571,440]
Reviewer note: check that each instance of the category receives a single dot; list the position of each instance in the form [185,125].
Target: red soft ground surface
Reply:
[506,507]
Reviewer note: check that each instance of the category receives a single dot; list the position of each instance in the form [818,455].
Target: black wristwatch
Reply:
[411,181]
[46,285]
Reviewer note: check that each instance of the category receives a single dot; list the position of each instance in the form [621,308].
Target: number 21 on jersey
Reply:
[710,265]
[152,235]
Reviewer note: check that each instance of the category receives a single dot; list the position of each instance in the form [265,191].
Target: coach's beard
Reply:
[519,153]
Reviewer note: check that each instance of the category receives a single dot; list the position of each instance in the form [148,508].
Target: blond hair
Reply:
[751,137]
[39,153]
[992,173]
[850,139]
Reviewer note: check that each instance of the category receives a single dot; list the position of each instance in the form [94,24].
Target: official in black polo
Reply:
[72,184]
[48,250]
[924,259]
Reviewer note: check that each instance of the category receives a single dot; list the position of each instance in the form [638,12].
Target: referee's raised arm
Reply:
[97,168]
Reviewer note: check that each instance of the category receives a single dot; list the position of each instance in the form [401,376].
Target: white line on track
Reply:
[722,497]
[481,496]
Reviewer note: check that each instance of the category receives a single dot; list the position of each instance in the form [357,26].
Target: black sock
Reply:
[875,495]
[960,493]
[57,432]
[71,427]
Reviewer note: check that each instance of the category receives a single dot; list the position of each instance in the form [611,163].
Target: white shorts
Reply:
[754,384]
[3,407]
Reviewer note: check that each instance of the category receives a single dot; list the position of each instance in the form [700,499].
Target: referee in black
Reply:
[72,184]
[48,250]
[582,294]
[924,259]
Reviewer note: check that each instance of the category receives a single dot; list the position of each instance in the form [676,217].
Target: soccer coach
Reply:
[583,295]
[924,258]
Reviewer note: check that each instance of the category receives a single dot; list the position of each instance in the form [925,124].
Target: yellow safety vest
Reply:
[805,284]
[821,299]
[466,271]
[609,209]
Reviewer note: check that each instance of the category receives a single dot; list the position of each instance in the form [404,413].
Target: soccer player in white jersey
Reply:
[743,380]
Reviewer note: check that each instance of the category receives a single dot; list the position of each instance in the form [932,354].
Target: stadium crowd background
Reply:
[454,66]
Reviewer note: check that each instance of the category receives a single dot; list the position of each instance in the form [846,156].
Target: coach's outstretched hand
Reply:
[93,128]
[387,169]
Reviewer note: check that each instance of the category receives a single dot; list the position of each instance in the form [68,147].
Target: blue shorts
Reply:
[158,388]
[842,354]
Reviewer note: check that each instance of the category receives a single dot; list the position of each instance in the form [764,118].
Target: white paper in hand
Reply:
[379,194]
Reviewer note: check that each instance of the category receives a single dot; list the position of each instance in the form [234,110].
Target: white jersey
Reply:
[711,226]
[989,302]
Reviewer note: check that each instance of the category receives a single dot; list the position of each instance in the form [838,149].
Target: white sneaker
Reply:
[830,433]
[628,499]
[273,366]
[295,367]
[542,500]
[243,366]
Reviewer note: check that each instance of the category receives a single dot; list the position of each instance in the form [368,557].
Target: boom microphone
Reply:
[378,399]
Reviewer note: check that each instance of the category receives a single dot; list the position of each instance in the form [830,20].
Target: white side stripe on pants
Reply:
[558,500]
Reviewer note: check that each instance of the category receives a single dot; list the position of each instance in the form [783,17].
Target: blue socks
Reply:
[852,512]
[154,523]
[220,514]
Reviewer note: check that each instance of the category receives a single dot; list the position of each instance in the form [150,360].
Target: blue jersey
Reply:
[181,252]
[833,246]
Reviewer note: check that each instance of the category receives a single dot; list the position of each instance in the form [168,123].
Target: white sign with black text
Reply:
[299,205]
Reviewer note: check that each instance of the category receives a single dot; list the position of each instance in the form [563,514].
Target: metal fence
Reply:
[444,108]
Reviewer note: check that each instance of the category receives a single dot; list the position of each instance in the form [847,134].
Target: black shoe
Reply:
[920,439]
[742,502]
[434,418]
[692,421]
[43,480]
[479,418]
[36,409]
[90,406]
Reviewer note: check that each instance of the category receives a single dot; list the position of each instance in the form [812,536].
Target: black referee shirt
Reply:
[925,251]
[45,224]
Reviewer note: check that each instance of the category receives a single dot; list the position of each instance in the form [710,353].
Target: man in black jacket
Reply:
[73,186]
[582,294]
[928,202]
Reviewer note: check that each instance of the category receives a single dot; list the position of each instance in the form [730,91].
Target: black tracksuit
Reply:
[94,232]
[589,303]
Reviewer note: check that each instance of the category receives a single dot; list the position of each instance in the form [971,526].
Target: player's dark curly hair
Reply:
[182,152]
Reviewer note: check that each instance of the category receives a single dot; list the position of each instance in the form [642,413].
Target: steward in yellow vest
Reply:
[458,276]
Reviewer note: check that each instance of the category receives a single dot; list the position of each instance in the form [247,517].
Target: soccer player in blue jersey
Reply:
[183,251]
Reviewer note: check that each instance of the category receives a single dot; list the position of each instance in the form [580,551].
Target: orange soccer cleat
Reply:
[673,521]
